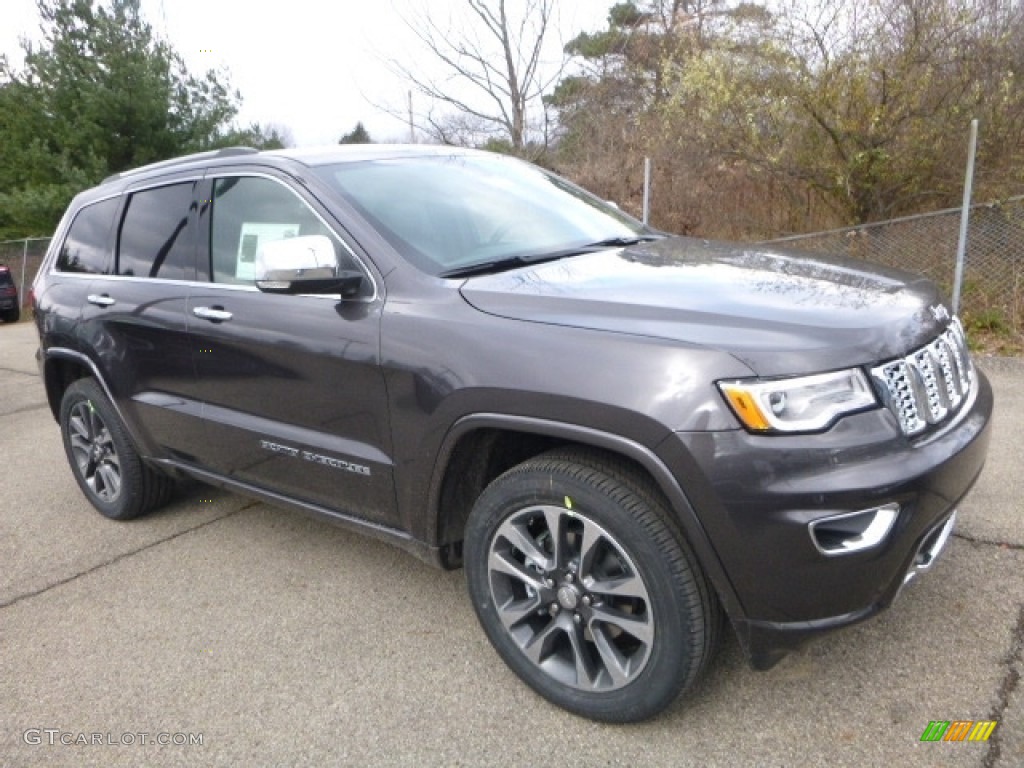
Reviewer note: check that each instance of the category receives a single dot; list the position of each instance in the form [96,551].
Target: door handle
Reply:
[100,300]
[214,314]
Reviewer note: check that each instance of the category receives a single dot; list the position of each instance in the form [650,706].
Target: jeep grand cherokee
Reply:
[626,438]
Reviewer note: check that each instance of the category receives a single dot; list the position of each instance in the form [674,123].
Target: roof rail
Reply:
[225,152]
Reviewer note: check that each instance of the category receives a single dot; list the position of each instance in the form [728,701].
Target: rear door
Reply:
[133,320]
[294,398]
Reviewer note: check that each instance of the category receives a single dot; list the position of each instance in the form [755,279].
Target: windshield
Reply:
[445,213]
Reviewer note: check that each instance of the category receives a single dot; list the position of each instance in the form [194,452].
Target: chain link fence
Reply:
[23,257]
[992,292]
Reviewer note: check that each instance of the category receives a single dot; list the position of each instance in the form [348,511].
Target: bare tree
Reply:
[491,55]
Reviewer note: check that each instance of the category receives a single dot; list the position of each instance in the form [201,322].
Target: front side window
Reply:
[155,239]
[251,211]
[85,248]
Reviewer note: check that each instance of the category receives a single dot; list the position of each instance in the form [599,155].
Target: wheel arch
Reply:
[480,447]
[62,367]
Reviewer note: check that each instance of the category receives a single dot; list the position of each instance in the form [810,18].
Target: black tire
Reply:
[103,459]
[551,613]
[12,316]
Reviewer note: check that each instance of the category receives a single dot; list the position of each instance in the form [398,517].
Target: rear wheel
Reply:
[13,315]
[103,459]
[586,588]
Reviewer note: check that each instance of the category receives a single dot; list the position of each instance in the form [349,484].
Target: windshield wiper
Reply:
[499,265]
[617,242]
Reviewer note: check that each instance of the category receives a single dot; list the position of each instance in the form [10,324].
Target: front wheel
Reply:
[586,588]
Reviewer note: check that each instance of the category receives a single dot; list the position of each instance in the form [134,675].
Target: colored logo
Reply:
[958,730]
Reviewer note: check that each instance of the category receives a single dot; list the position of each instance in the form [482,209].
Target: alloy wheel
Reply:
[94,452]
[571,598]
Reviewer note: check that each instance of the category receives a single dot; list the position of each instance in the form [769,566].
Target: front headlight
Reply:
[804,404]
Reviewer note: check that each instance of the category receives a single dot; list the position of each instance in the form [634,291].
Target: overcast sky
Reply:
[314,66]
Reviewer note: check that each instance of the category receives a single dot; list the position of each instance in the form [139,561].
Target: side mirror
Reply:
[303,265]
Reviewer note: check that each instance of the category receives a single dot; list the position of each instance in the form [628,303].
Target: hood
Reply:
[779,313]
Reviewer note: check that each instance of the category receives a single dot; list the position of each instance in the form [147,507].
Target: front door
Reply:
[292,391]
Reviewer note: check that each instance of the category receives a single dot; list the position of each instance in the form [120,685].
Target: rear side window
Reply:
[85,247]
[156,239]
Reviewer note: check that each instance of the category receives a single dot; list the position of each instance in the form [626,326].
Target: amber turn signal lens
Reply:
[746,409]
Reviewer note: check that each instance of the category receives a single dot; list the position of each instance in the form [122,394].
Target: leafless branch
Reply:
[492,63]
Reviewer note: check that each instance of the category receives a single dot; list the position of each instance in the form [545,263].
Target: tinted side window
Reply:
[155,239]
[85,247]
[249,212]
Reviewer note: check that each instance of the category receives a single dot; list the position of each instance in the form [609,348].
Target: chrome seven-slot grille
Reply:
[931,383]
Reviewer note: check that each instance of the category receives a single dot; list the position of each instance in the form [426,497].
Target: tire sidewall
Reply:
[669,666]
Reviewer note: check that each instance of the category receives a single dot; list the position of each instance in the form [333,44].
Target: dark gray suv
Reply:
[627,438]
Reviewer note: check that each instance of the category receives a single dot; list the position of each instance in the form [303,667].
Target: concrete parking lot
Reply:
[277,640]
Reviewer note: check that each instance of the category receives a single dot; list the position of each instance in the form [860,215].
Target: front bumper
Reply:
[758,496]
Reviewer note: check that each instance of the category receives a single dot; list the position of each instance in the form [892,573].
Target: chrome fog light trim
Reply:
[853,531]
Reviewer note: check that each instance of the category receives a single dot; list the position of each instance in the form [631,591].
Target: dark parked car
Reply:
[10,306]
[626,438]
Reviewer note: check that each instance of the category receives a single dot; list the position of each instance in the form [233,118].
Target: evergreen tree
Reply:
[99,94]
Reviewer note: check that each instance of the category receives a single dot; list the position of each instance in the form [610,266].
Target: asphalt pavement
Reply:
[240,634]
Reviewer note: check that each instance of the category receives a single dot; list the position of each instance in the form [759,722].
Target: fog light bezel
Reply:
[871,535]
